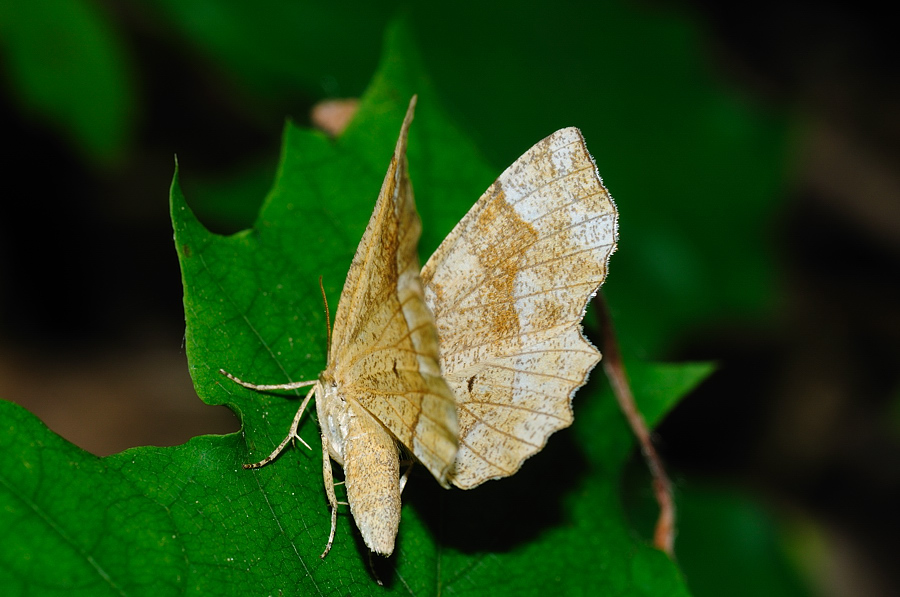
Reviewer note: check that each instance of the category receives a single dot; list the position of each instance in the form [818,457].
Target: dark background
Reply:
[798,430]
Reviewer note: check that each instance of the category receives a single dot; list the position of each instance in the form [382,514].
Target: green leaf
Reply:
[190,520]
[75,525]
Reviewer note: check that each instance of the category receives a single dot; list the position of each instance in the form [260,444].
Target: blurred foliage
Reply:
[697,169]
[67,64]
[728,542]
[277,49]
[728,536]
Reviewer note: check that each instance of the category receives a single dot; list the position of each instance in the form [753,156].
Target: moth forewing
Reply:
[384,363]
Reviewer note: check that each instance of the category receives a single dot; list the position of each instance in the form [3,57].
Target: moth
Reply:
[471,364]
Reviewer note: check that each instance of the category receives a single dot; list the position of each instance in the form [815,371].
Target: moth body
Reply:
[334,418]
[370,459]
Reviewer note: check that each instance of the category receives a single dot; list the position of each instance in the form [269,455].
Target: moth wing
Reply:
[508,289]
[384,352]
[371,474]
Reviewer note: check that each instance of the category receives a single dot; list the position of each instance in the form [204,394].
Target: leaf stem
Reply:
[614,366]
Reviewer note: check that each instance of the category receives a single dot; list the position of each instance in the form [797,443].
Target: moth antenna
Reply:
[327,318]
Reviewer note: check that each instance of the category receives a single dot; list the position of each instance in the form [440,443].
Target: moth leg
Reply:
[267,387]
[405,475]
[329,491]
[336,483]
[292,434]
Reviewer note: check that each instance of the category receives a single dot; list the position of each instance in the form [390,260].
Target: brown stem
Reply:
[664,535]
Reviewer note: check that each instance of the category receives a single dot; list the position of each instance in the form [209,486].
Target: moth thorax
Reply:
[334,418]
